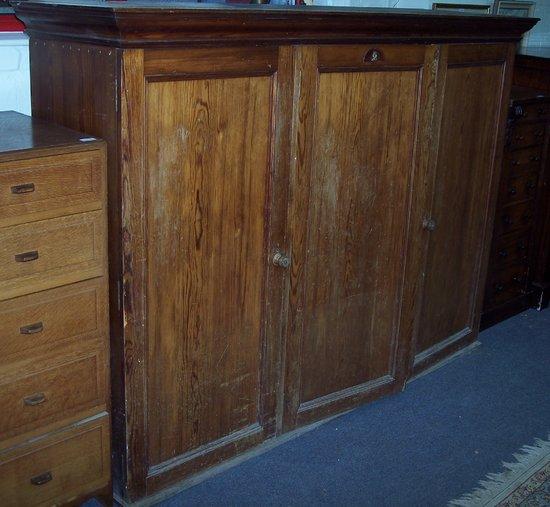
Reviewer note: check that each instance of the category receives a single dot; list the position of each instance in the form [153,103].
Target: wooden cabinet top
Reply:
[22,133]
[137,23]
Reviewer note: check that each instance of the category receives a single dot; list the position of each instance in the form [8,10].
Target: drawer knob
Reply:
[515,162]
[507,220]
[27,256]
[519,112]
[512,191]
[539,133]
[522,247]
[25,188]
[42,479]
[531,185]
[35,399]
[37,327]
[541,111]
[429,224]
[503,254]
[520,138]
[499,287]
[373,55]
[282,260]
[534,158]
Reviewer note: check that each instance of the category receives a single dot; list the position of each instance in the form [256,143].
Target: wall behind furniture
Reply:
[15,91]
[540,34]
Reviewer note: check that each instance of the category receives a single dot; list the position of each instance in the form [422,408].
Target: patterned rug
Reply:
[523,483]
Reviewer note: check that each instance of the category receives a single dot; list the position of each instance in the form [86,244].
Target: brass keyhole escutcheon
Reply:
[373,55]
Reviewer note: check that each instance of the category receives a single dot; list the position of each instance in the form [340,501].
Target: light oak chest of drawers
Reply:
[54,366]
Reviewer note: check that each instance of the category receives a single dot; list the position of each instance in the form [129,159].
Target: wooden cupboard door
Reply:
[354,152]
[464,191]
[209,226]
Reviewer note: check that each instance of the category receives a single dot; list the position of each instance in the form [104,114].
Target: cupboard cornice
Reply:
[147,23]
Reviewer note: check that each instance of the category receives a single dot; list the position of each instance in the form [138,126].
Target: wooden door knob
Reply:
[429,224]
[282,260]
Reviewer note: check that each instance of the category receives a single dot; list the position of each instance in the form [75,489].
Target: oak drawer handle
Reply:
[27,256]
[41,479]
[25,188]
[35,399]
[37,327]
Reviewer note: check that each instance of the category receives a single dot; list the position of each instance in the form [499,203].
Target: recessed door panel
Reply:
[208,169]
[349,240]
[464,176]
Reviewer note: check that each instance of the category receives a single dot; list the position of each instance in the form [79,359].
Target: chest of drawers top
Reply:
[24,136]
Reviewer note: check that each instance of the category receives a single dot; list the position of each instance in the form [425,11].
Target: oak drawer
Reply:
[514,217]
[534,111]
[43,185]
[518,189]
[41,255]
[44,320]
[526,134]
[53,394]
[57,469]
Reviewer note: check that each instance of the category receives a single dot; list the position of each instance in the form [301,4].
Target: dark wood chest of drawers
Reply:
[514,282]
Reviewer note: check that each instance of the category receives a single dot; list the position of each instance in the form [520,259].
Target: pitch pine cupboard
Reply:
[300,206]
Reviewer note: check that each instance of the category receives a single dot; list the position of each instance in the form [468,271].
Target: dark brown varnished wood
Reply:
[519,273]
[232,140]
[206,254]
[139,24]
[358,134]
[466,176]
[22,133]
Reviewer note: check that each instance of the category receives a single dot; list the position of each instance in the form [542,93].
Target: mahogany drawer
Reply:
[51,185]
[41,255]
[514,218]
[526,134]
[507,284]
[44,320]
[509,250]
[53,394]
[57,469]
[518,189]
[520,162]
[534,111]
